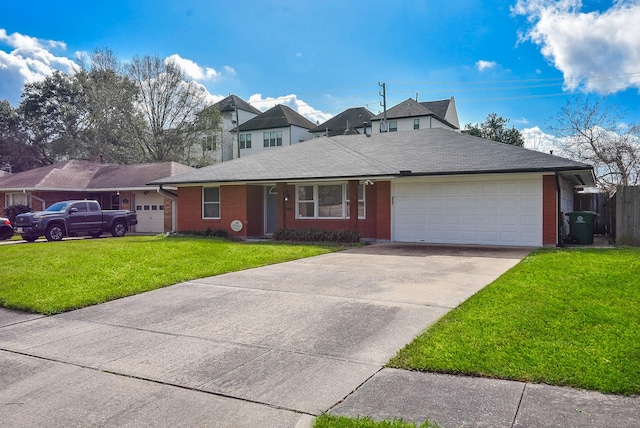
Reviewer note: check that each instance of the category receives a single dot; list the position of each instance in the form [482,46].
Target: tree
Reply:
[15,154]
[53,115]
[112,114]
[494,128]
[169,102]
[592,132]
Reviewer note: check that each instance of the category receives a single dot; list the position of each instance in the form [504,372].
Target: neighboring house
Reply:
[114,186]
[277,127]
[234,111]
[350,121]
[428,185]
[410,114]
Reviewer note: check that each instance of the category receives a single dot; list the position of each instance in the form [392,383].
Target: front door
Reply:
[271,210]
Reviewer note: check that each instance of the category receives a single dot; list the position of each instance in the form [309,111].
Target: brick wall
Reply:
[383,209]
[549,210]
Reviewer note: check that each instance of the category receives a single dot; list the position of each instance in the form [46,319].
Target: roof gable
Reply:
[439,107]
[279,116]
[354,117]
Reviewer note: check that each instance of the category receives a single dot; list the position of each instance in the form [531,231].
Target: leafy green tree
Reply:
[15,154]
[495,128]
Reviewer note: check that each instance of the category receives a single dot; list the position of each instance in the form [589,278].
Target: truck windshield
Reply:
[58,206]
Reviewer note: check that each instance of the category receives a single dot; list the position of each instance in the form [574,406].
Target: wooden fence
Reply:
[627,215]
[604,223]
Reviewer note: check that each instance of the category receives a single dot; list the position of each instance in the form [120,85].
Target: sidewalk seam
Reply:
[515,416]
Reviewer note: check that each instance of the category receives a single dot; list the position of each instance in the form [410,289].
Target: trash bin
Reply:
[581,226]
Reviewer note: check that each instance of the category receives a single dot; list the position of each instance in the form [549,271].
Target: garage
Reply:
[484,210]
[150,210]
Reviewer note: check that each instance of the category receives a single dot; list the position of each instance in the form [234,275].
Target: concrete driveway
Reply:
[271,346]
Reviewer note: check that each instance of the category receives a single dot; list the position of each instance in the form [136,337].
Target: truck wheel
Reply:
[55,232]
[118,229]
[29,238]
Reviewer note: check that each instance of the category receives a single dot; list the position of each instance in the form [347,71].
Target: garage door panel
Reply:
[481,212]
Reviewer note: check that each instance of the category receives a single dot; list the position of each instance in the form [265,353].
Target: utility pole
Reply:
[383,94]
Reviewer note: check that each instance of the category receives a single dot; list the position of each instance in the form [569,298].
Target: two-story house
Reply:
[277,127]
[411,114]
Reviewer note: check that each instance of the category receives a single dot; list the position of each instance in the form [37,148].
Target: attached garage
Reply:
[487,210]
[150,210]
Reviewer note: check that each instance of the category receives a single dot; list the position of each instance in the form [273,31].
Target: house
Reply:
[350,121]
[429,185]
[411,114]
[277,127]
[234,111]
[114,186]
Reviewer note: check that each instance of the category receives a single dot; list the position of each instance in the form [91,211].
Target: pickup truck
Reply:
[73,218]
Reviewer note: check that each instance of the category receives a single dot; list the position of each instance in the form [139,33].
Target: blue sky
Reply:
[520,59]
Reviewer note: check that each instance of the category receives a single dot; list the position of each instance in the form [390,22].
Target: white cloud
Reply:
[536,139]
[596,51]
[193,70]
[483,65]
[264,104]
[31,60]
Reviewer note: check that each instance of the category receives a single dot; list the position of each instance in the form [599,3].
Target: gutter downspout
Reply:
[560,218]
[174,205]
[42,202]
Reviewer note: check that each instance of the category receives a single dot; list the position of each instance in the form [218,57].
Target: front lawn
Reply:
[53,277]
[566,317]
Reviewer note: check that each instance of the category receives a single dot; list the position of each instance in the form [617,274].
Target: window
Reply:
[306,202]
[330,203]
[209,143]
[245,141]
[361,205]
[17,199]
[210,202]
[416,123]
[272,138]
[393,125]
[327,201]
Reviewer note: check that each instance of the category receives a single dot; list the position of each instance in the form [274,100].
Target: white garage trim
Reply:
[499,209]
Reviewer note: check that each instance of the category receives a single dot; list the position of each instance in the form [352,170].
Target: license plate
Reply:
[18,229]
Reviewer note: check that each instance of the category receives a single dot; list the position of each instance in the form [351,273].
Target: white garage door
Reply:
[469,211]
[150,210]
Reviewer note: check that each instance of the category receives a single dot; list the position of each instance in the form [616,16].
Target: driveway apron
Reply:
[271,346]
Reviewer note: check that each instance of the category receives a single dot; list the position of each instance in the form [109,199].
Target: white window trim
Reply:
[211,203]
[316,207]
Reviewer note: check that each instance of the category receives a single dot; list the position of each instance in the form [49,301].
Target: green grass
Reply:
[566,317]
[327,421]
[54,277]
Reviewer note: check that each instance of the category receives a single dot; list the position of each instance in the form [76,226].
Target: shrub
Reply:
[12,211]
[317,235]
[208,232]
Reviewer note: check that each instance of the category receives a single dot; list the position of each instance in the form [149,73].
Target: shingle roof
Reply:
[435,151]
[279,116]
[439,107]
[229,104]
[337,125]
[85,175]
[412,108]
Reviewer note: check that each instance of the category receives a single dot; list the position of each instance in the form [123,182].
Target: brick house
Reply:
[428,185]
[114,186]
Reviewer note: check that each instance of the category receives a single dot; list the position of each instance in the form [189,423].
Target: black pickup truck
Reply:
[73,218]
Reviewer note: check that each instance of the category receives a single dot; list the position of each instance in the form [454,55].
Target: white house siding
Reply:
[406,123]
[485,210]
[566,201]
[290,135]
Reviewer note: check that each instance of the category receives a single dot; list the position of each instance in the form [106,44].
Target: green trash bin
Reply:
[581,226]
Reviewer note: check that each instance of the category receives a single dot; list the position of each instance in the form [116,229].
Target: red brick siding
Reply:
[383,210]
[168,214]
[255,211]
[549,210]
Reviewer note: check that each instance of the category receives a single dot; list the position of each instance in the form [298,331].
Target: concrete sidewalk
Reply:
[274,347]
